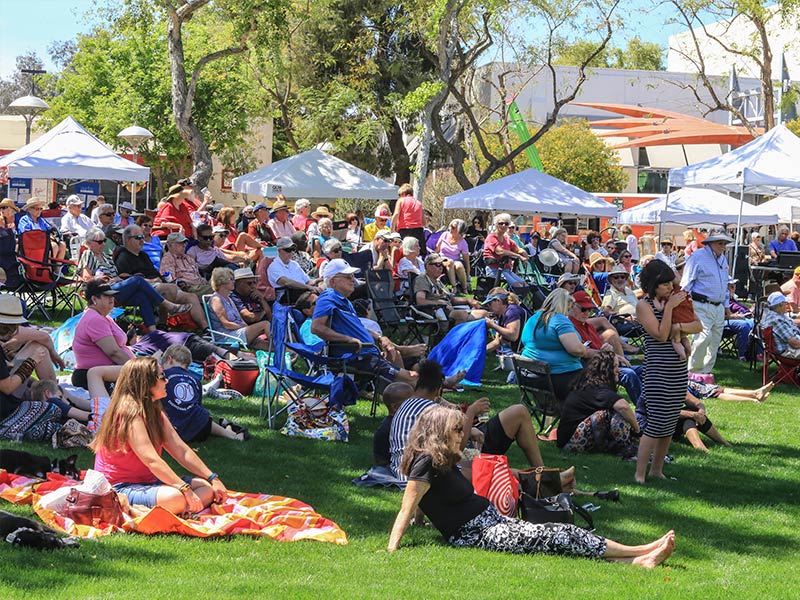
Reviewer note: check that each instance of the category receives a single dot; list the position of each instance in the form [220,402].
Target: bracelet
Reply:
[212,477]
[184,488]
[26,369]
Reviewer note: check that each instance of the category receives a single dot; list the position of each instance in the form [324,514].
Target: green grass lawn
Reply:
[735,512]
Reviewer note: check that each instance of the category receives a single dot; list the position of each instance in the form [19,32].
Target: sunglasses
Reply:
[99,241]
[618,277]
[339,249]
[290,250]
[106,214]
[586,310]
[220,234]
[437,264]
[625,256]
[506,223]
[207,238]
[162,377]
[138,237]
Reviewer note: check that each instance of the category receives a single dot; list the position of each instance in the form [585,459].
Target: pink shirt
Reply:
[452,251]
[493,242]
[791,290]
[181,266]
[410,215]
[92,327]
[123,467]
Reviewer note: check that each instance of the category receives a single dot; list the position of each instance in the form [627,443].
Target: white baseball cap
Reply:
[339,266]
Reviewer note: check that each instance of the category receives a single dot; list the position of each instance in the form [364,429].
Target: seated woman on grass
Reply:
[132,435]
[467,520]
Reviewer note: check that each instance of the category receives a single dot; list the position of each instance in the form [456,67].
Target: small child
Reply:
[183,403]
[47,390]
[683,313]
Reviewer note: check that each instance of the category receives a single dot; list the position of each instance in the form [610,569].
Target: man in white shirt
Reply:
[75,222]
[280,224]
[283,272]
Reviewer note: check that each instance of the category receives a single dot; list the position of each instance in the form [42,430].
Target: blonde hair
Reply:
[43,389]
[433,434]
[559,301]
[512,298]
[132,399]
[688,235]
[219,276]
[626,229]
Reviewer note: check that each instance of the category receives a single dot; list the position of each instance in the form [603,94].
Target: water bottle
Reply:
[168,277]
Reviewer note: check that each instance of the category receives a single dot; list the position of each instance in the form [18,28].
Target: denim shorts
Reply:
[145,494]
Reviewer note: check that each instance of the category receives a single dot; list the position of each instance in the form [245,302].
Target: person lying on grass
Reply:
[132,435]
[184,401]
[467,520]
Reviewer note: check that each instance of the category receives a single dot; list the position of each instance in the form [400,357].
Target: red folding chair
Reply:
[787,367]
[42,275]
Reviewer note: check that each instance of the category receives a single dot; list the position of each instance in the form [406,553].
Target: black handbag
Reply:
[540,482]
[556,509]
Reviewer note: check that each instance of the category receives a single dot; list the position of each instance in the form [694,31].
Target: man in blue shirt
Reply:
[335,320]
[782,244]
[705,278]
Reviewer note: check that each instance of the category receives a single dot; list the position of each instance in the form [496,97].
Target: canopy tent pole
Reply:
[738,231]
[118,196]
[663,213]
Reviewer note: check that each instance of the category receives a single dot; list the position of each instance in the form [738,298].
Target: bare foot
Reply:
[657,556]
[568,479]
[638,480]
[658,475]
[455,378]
[763,392]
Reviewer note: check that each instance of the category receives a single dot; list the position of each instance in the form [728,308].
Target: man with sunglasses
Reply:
[132,261]
[250,303]
[206,254]
[284,272]
[182,267]
[430,294]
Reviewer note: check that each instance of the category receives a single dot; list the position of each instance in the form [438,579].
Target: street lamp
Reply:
[28,107]
[135,136]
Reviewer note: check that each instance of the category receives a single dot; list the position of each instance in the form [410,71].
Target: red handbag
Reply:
[492,479]
[94,509]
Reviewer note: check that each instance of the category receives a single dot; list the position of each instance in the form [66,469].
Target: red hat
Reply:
[583,300]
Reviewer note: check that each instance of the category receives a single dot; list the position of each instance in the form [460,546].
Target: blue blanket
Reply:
[464,347]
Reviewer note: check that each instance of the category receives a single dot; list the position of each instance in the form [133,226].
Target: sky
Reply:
[35,24]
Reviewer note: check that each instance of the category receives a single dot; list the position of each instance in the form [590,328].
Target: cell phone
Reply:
[586,344]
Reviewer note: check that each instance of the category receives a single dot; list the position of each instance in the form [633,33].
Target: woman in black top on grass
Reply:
[465,519]
[595,418]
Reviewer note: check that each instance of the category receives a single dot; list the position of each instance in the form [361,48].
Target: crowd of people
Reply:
[205,273]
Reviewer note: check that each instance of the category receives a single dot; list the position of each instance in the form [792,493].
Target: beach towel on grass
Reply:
[464,347]
[280,518]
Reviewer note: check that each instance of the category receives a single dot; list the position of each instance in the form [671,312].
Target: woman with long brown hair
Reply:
[467,520]
[132,435]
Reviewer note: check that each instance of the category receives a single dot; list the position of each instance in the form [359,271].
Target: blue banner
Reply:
[88,188]
[20,183]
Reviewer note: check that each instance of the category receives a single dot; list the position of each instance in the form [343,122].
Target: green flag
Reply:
[519,127]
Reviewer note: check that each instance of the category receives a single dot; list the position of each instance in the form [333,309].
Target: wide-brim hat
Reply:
[9,203]
[667,241]
[175,190]
[548,257]
[596,257]
[322,212]
[567,277]
[126,206]
[718,236]
[618,270]
[11,310]
[33,201]
[279,205]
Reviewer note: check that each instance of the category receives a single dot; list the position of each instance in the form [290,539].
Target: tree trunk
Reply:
[400,158]
[182,104]
[767,91]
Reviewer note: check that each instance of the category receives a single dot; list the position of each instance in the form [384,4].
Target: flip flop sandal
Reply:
[179,310]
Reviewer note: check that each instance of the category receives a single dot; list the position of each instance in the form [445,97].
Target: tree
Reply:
[794,126]
[637,54]
[573,153]
[697,15]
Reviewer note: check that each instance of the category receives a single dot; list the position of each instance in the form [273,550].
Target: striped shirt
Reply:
[402,424]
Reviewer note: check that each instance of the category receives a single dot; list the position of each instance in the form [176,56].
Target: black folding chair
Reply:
[536,392]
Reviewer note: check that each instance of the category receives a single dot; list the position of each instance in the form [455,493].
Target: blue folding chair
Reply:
[284,330]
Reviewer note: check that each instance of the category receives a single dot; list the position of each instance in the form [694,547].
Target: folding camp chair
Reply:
[42,274]
[219,338]
[392,315]
[787,368]
[536,392]
[284,332]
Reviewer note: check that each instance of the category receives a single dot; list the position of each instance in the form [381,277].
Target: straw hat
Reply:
[9,203]
[11,310]
[33,201]
[279,205]
[596,257]
[322,211]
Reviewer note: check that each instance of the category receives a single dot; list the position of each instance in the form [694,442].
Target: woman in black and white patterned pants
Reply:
[436,486]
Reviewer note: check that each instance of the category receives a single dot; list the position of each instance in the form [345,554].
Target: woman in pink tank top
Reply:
[407,219]
[132,434]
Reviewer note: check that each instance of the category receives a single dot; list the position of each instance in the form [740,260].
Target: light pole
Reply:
[135,136]
[28,107]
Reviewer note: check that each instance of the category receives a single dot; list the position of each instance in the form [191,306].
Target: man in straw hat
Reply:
[280,224]
[705,279]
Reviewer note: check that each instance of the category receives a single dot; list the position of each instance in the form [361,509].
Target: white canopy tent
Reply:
[767,165]
[314,174]
[786,207]
[696,207]
[69,153]
[532,191]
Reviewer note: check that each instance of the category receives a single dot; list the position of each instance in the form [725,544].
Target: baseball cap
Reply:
[176,236]
[491,297]
[73,200]
[776,299]
[259,206]
[285,242]
[434,258]
[339,266]
[583,300]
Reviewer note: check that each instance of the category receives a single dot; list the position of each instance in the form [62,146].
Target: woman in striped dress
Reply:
[665,374]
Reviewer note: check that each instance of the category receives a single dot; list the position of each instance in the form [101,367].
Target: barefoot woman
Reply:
[467,520]
[132,435]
